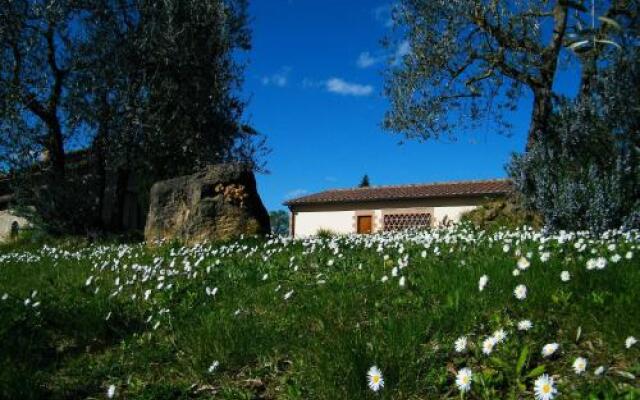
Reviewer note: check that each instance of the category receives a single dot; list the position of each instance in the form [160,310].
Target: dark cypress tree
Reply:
[365,181]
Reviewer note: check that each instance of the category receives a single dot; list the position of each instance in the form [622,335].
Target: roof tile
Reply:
[403,192]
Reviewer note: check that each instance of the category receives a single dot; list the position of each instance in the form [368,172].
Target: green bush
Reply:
[505,213]
[584,172]
[324,233]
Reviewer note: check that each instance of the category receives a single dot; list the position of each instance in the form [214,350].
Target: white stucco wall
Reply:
[311,219]
[310,222]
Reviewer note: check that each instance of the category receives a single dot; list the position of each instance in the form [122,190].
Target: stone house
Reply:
[390,208]
[10,223]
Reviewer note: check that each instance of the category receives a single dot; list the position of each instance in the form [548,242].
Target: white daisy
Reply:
[630,341]
[599,370]
[523,263]
[461,344]
[580,365]
[544,388]
[524,325]
[549,349]
[500,335]
[384,279]
[288,295]
[565,276]
[488,345]
[214,365]
[520,292]
[483,282]
[463,379]
[515,272]
[111,391]
[376,381]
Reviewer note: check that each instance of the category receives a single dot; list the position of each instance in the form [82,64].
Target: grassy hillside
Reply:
[307,319]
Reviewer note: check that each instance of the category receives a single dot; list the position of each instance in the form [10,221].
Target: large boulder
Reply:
[217,203]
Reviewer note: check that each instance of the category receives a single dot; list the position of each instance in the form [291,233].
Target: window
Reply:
[399,222]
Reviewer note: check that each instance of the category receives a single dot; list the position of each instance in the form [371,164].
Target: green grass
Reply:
[339,320]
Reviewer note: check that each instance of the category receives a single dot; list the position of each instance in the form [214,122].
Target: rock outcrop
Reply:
[218,203]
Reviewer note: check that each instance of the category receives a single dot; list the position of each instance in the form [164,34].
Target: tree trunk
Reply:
[121,195]
[102,177]
[100,147]
[540,114]
[543,93]
[56,149]
[588,75]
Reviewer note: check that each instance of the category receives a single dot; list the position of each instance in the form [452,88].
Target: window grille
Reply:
[399,222]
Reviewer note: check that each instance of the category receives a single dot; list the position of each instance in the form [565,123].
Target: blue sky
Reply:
[314,85]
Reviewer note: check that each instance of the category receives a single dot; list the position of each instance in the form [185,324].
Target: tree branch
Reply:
[550,53]
[58,74]
[504,39]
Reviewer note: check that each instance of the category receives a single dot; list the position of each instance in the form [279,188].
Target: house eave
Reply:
[293,203]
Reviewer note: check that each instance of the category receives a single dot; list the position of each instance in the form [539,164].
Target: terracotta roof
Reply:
[401,192]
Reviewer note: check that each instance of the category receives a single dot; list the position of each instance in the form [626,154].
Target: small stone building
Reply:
[390,208]
[10,222]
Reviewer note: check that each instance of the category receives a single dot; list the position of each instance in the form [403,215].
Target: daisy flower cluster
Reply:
[390,272]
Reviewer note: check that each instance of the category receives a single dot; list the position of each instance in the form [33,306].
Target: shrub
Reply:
[325,233]
[584,172]
[509,213]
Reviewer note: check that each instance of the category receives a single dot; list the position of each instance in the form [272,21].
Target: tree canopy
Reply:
[471,60]
[279,222]
[145,85]
[585,173]
[364,182]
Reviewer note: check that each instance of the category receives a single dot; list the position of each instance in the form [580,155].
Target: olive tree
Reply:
[474,59]
[39,42]
[144,86]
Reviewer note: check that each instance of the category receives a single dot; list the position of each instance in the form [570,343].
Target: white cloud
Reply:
[279,79]
[340,86]
[308,83]
[295,193]
[366,60]
[382,14]
[403,49]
